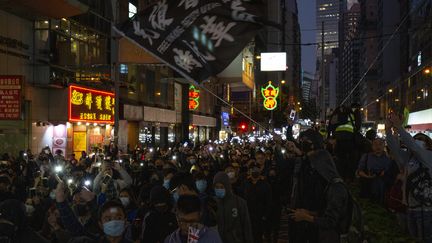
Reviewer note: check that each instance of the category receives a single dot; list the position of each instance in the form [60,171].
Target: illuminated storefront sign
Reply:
[270,93]
[194,95]
[90,105]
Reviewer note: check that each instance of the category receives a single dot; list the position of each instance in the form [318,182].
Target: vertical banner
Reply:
[197,38]
[10,97]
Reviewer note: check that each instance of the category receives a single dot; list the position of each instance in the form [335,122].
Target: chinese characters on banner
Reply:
[270,93]
[10,97]
[194,95]
[197,38]
[90,105]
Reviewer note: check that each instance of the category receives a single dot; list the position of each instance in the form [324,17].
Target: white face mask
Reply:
[52,195]
[29,209]
[125,201]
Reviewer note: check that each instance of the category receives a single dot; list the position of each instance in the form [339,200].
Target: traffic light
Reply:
[243,126]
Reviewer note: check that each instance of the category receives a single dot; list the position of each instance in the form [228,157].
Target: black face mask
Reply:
[306,147]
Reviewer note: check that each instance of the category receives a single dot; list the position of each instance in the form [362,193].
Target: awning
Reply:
[54,9]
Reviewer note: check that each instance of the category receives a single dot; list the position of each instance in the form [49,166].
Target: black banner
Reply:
[197,38]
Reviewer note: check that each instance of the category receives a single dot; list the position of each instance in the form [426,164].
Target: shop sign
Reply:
[270,93]
[225,118]
[194,95]
[90,105]
[10,97]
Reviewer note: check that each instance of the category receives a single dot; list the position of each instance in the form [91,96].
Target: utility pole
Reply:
[323,73]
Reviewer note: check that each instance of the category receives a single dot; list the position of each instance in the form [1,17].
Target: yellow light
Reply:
[362,109]
[158,93]
[397,100]
[427,71]
[79,123]
[258,57]
[377,100]
[390,91]
[87,124]
[300,108]
[46,21]
[298,103]
[283,82]
[63,19]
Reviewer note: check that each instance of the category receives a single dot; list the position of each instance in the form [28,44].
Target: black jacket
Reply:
[259,199]
[157,226]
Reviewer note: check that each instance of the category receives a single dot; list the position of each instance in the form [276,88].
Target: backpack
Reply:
[419,185]
[351,225]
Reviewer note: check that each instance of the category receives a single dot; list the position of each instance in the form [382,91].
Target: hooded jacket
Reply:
[234,224]
[206,235]
[334,210]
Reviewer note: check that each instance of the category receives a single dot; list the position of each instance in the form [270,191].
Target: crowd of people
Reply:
[231,192]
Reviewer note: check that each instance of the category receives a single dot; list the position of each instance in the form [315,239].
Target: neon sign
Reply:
[194,95]
[270,93]
[90,105]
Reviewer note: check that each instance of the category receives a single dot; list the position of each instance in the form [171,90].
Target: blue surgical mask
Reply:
[114,228]
[201,185]
[220,193]
[175,196]
[166,184]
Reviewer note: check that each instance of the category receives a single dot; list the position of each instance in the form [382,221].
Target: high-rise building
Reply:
[327,12]
[349,46]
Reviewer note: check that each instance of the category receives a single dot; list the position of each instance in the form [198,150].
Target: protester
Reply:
[373,169]
[188,213]
[416,159]
[233,220]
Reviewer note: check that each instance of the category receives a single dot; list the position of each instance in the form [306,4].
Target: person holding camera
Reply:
[372,170]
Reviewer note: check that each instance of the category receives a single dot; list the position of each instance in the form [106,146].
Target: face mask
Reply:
[125,201]
[52,195]
[113,228]
[420,143]
[175,196]
[201,185]
[166,184]
[29,209]
[220,193]
[231,175]
[306,147]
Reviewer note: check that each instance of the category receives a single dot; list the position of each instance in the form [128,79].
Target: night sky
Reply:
[307,22]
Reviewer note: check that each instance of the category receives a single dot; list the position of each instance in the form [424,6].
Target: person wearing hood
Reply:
[258,196]
[233,220]
[330,214]
[160,221]
[188,213]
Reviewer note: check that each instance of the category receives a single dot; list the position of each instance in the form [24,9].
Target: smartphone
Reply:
[292,115]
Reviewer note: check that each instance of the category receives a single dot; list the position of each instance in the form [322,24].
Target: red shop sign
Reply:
[10,97]
[90,105]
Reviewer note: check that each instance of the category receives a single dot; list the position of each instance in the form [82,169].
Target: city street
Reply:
[209,121]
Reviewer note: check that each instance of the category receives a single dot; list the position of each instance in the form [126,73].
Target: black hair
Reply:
[111,204]
[168,171]
[188,204]
[315,137]
[182,178]
[259,152]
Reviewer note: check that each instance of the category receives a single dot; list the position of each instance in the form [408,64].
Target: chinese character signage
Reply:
[90,105]
[197,38]
[194,95]
[10,97]
[270,93]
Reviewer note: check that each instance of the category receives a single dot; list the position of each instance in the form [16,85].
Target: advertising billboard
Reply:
[273,61]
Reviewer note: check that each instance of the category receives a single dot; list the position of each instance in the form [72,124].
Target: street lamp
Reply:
[427,71]
[283,82]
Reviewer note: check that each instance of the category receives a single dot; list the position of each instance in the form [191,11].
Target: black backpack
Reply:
[351,225]
[419,185]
